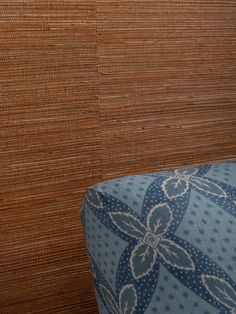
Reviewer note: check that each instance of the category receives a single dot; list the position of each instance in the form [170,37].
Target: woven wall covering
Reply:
[91,91]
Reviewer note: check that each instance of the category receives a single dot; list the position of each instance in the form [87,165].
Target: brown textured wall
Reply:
[92,90]
[167,82]
[50,153]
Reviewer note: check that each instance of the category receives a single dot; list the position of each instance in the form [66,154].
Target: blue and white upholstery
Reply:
[164,242]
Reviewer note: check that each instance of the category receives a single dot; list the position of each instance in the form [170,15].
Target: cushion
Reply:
[164,242]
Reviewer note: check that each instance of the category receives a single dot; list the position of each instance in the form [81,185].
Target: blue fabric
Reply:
[164,242]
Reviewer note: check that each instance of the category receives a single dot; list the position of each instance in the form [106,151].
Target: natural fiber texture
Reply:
[168,88]
[93,90]
[51,153]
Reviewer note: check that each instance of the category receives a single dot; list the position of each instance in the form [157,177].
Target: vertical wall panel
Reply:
[50,153]
[167,83]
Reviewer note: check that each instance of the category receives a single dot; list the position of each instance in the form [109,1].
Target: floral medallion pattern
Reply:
[129,245]
[151,240]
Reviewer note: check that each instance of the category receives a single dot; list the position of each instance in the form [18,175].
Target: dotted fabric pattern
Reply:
[204,229]
[164,242]
[224,172]
[131,190]
[171,296]
[104,246]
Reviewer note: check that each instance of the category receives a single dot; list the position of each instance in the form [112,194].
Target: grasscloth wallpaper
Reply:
[90,90]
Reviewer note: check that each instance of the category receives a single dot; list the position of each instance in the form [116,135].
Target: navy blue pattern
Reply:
[135,226]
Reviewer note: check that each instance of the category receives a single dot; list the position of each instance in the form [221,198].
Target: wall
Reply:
[93,90]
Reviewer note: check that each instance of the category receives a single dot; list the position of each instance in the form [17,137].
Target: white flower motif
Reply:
[92,197]
[178,182]
[221,291]
[127,300]
[151,240]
